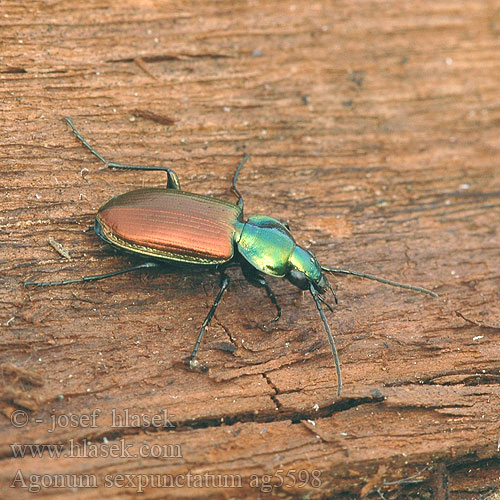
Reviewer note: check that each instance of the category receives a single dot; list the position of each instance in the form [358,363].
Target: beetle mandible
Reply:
[171,225]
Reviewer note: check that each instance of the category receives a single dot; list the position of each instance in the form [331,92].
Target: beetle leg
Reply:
[92,278]
[173,180]
[234,189]
[323,301]
[224,283]
[260,281]
[263,283]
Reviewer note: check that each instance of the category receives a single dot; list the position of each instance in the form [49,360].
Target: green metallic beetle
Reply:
[171,225]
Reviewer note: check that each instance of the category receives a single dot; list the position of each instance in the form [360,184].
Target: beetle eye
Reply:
[299,279]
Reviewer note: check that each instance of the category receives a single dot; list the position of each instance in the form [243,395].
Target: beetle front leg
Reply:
[224,283]
[259,281]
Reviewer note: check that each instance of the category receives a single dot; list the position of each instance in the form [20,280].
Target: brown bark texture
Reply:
[374,131]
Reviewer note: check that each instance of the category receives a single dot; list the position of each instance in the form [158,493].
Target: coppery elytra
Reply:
[171,225]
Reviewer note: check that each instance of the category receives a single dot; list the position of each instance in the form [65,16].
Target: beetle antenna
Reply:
[317,300]
[335,270]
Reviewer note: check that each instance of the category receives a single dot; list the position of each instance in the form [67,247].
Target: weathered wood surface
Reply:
[374,129]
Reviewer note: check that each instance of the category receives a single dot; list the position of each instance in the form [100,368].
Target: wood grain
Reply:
[373,129]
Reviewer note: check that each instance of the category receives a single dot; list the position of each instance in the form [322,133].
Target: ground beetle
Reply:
[176,226]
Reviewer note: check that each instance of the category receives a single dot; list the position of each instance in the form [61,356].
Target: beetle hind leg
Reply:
[95,277]
[173,180]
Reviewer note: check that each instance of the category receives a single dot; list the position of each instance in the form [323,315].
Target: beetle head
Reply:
[304,270]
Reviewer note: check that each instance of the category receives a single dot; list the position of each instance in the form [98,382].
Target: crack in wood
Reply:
[295,417]
[232,340]
[449,379]
[274,388]
[170,57]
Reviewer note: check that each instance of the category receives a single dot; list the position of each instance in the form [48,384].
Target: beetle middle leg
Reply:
[259,281]
[173,180]
[224,283]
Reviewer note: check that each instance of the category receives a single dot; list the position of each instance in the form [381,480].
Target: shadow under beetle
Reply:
[176,226]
